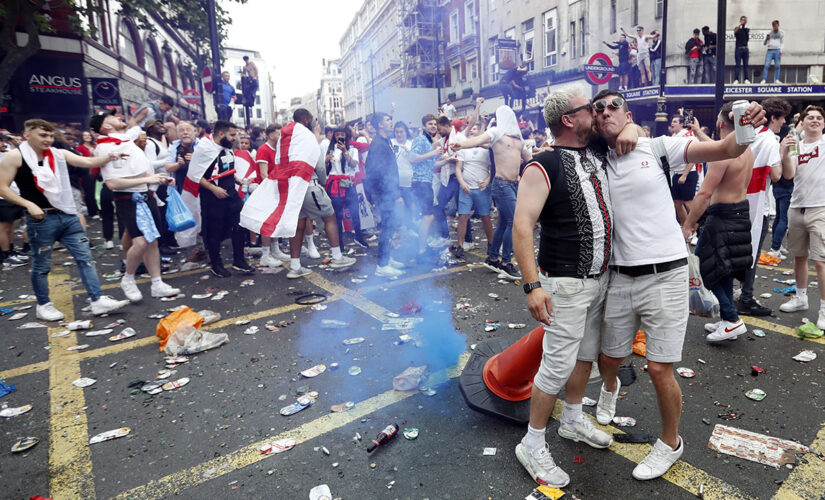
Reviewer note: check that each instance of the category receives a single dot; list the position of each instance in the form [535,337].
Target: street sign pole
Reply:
[216,53]
[721,14]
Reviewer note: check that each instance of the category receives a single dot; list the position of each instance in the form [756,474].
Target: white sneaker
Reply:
[778,82]
[276,252]
[797,303]
[820,322]
[658,461]
[727,330]
[747,82]
[762,82]
[398,265]
[106,304]
[736,82]
[269,261]
[109,244]
[783,251]
[584,430]
[311,252]
[164,290]
[130,289]
[297,273]
[468,245]
[439,242]
[541,467]
[606,408]
[712,327]
[776,253]
[387,271]
[47,312]
[341,263]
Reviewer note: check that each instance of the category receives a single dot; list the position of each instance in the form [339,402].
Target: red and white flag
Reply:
[766,154]
[273,209]
[246,168]
[203,155]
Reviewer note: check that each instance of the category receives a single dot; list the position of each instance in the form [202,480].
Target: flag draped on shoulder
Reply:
[245,168]
[273,209]
[203,155]
[766,154]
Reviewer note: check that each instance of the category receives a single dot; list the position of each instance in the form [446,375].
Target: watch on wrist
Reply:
[529,287]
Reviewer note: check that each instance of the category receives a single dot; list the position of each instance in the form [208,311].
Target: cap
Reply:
[96,121]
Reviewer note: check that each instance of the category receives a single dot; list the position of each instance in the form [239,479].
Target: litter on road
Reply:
[84,382]
[685,372]
[766,450]
[24,444]
[489,452]
[109,435]
[13,412]
[124,334]
[805,356]
[755,394]
[279,446]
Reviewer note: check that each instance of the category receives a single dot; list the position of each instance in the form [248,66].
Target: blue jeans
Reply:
[389,224]
[724,292]
[504,196]
[694,70]
[445,194]
[771,55]
[655,69]
[67,230]
[780,223]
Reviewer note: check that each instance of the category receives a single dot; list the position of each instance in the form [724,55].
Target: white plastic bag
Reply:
[702,301]
[187,340]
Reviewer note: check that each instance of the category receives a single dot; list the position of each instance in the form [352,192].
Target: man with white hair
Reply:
[508,154]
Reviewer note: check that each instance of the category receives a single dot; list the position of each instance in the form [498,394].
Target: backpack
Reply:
[657,145]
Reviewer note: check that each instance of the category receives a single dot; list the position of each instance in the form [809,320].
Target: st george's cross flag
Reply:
[203,155]
[273,209]
[246,168]
[766,154]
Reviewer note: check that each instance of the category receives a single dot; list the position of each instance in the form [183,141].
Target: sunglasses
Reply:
[615,103]
[588,107]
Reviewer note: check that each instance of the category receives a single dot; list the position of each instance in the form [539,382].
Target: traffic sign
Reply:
[207,80]
[192,96]
[598,69]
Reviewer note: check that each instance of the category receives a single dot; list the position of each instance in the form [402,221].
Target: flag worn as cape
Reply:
[766,153]
[203,155]
[273,209]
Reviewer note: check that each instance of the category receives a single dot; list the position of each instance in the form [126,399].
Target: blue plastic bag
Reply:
[5,389]
[178,215]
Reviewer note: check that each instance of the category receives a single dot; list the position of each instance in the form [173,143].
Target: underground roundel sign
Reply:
[598,69]
[191,96]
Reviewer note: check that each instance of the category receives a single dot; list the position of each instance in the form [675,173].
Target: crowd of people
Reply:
[640,58]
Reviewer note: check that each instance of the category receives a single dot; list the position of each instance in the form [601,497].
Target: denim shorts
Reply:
[423,192]
[478,201]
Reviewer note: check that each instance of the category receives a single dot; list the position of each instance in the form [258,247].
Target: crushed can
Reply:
[745,133]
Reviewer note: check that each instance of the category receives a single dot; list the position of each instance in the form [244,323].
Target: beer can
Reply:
[745,133]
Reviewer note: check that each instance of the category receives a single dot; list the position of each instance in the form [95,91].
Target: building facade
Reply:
[331,102]
[261,113]
[117,66]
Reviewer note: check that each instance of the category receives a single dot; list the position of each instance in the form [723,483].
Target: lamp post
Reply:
[217,82]
[721,15]
[661,103]
[372,79]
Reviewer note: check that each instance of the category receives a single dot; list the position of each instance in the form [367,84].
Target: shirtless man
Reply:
[727,227]
[508,154]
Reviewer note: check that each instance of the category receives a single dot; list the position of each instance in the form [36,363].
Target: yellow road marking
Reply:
[70,460]
[811,270]
[24,370]
[807,479]
[767,325]
[248,455]
[354,298]
[413,279]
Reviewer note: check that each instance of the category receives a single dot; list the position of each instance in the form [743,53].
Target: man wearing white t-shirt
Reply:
[473,173]
[648,287]
[806,215]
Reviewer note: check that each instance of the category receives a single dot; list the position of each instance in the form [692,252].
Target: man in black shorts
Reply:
[9,213]
[129,178]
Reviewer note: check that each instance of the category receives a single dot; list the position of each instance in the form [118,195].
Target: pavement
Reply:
[204,439]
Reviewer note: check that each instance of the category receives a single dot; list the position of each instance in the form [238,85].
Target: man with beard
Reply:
[213,164]
[508,154]
[129,179]
[648,287]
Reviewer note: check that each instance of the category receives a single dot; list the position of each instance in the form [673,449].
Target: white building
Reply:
[331,103]
[261,113]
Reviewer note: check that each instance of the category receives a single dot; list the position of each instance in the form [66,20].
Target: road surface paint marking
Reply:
[70,460]
[785,330]
[811,269]
[179,481]
[24,370]
[807,480]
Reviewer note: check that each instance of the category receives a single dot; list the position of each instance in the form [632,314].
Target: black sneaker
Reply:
[753,308]
[510,270]
[459,252]
[243,267]
[362,242]
[220,271]
[493,265]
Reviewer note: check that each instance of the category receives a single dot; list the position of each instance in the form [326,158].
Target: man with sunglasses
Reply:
[648,287]
[565,189]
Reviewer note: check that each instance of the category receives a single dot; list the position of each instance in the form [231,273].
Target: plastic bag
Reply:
[188,340]
[178,216]
[182,317]
[409,379]
[640,344]
[702,301]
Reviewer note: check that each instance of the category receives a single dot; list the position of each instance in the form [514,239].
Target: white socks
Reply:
[309,241]
[336,253]
[128,277]
[294,264]
[264,251]
[571,413]
[534,439]
[157,281]
[802,292]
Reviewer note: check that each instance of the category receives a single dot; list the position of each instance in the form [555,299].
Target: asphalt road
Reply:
[204,438]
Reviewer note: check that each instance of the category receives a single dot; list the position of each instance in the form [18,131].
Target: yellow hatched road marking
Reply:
[767,325]
[70,460]
[811,270]
[807,480]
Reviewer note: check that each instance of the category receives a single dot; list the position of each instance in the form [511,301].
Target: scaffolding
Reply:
[420,28]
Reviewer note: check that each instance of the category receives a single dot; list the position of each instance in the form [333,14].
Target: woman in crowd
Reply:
[342,165]
[401,143]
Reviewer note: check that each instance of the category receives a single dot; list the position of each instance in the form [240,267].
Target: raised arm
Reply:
[145,178]
[474,117]
[700,152]
[91,161]
[133,121]
[788,161]
[473,142]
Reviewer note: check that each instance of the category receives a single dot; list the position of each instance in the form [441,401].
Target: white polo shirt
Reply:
[645,229]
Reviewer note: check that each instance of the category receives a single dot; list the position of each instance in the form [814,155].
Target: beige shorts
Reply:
[656,303]
[806,232]
[573,333]
[317,204]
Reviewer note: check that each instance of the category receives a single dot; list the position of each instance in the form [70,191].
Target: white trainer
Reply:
[398,265]
[776,253]
[541,467]
[341,263]
[276,252]
[269,261]
[164,290]
[727,330]
[712,327]
[130,289]
[109,244]
[387,271]
[310,252]
[582,429]
[606,408]
[297,273]
[797,303]
[468,245]
[47,312]
[658,461]
[105,304]
[820,322]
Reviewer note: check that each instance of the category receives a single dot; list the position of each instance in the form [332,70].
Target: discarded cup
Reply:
[805,356]
[124,334]
[314,371]
[13,412]
[279,446]
[685,372]
[320,492]
[97,333]
[756,394]
[175,384]
[354,340]
[81,324]
[354,370]
[342,407]
[83,382]
[301,403]
[109,435]
[624,421]
[24,444]
[411,433]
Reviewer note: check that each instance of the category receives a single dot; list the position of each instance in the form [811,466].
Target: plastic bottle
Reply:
[333,323]
[383,437]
